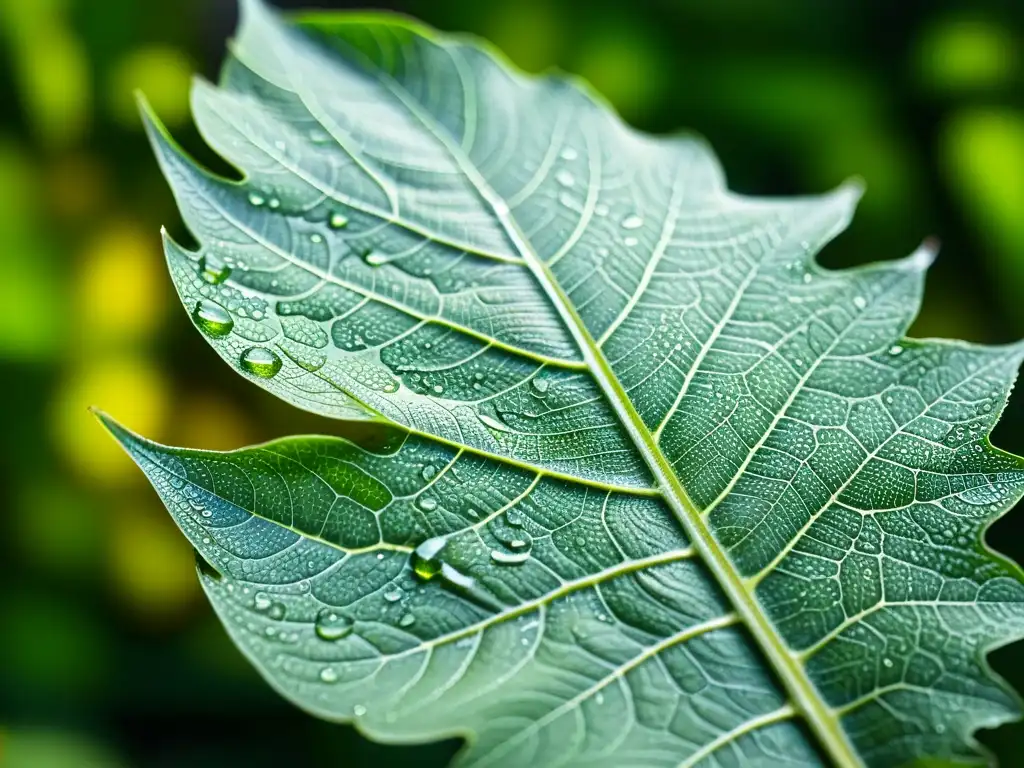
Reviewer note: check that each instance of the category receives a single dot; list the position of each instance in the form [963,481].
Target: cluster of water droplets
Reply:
[516,542]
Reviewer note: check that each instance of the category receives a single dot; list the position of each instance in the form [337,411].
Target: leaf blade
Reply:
[777,405]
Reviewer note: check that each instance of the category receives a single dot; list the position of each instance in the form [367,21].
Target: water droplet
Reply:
[540,386]
[338,221]
[212,269]
[493,423]
[569,154]
[565,178]
[256,199]
[358,710]
[426,560]
[895,350]
[274,203]
[331,625]
[860,302]
[427,504]
[509,558]
[429,472]
[514,518]
[262,602]
[375,259]
[438,388]
[632,222]
[599,699]
[261,362]
[212,319]
[316,238]
[407,620]
[328,675]
[393,596]
[630,242]
[887,662]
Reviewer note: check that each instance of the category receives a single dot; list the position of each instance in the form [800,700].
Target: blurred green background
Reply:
[109,654]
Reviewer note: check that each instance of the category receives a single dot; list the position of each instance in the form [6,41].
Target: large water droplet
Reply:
[331,625]
[514,517]
[429,472]
[338,221]
[212,319]
[540,386]
[565,178]
[427,504]
[256,199]
[262,601]
[426,559]
[456,578]
[213,269]
[261,362]
[632,222]
[328,675]
[493,423]
[407,620]
[393,596]
[375,259]
[509,558]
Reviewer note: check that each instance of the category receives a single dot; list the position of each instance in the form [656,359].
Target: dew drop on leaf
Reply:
[509,558]
[493,423]
[632,222]
[328,675]
[331,625]
[338,221]
[213,269]
[212,319]
[261,362]
[407,620]
[426,559]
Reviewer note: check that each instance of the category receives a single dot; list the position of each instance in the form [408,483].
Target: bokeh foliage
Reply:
[108,655]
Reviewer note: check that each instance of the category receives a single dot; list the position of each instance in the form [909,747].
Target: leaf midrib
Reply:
[818,714]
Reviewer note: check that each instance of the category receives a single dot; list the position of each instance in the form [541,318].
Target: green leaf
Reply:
[659,490]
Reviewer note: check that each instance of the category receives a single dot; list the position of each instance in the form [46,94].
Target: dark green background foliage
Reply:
[109,655]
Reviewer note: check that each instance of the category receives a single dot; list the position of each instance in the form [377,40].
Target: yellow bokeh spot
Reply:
[983,154]
[52,71]
[163,74]
[966,54]
[151,565]
[130,389]
[211,423]
[120,292]
[982,151]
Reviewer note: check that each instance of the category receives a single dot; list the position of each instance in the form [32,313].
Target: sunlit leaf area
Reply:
[110,654]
